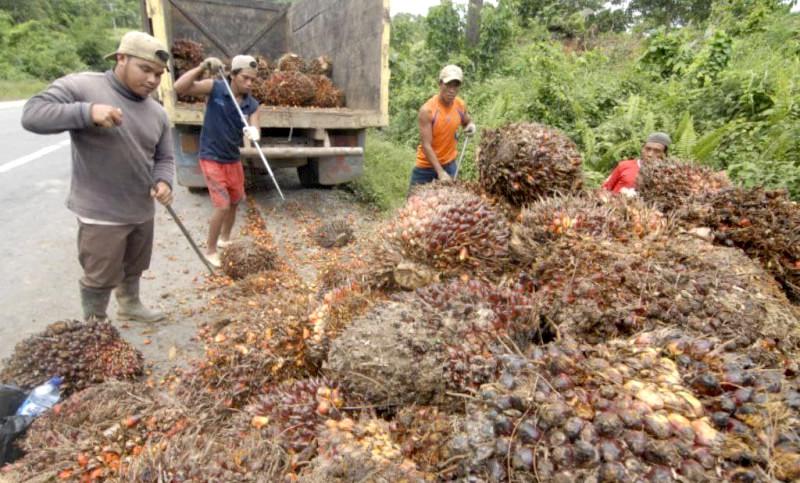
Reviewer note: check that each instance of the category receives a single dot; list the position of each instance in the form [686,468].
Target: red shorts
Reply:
[225,181]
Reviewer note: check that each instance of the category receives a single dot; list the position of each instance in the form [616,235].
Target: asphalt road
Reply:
[39,269]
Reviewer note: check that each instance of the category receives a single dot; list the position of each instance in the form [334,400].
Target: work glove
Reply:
[212,65]
[470,129]
[252,133]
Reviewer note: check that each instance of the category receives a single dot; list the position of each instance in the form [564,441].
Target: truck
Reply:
[326,146]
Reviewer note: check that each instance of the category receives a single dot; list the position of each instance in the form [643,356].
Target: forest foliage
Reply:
[721,77]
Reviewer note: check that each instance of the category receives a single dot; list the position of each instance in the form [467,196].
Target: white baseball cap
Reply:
[244,62]
[451,73]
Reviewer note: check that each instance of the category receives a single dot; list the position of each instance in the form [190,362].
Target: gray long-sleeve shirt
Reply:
[108,182]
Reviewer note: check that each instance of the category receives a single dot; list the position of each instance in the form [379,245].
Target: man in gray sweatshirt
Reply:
[119,134]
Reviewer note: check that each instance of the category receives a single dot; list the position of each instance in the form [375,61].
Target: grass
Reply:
[387,171]
[12,90]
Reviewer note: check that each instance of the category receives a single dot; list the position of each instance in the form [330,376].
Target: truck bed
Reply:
[354,34]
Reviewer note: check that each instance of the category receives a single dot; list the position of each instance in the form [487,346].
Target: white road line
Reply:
[33,156]
[11,104]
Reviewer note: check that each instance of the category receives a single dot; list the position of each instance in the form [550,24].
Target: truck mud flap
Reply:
[339,169]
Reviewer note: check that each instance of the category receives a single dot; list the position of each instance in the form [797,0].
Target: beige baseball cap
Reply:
[451,73]
[143,46]
[244,62]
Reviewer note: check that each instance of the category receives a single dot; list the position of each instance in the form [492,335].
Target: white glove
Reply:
[470,129]
[629,192]
[212,65]
[252,133]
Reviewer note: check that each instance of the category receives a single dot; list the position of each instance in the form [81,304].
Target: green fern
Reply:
[685,138]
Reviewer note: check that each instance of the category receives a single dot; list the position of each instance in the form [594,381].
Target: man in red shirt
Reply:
[623,178]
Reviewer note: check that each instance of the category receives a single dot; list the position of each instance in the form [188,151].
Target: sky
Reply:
[419,7]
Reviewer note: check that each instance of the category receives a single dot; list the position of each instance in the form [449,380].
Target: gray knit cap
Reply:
[660,138]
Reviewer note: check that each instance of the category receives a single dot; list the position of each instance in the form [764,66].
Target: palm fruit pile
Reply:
[80,353]
[671,183]
[334,234]
[243,258]
[612,412]
[290,413]
[447,229]
[290,62]
[265,344]
[751,395]
[360,450]
[417,348]
[287,88]
[602,289]
[186,55]
[522,162]
[599,217]
[765,224]
[95,433]
[325,95]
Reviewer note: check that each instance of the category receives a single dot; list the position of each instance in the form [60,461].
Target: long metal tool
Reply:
[244,120]
[142,168]
[461,158]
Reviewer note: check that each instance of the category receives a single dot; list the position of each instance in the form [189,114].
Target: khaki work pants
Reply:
[111,253]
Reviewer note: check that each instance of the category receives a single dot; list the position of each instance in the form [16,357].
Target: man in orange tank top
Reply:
[439,120]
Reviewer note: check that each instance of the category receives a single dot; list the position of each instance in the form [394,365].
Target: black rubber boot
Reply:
[95,303]
[131,307]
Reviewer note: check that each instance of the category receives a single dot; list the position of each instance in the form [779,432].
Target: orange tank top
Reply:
[446,120]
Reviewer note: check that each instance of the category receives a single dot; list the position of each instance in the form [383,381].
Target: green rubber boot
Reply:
[95,303]
[131,307]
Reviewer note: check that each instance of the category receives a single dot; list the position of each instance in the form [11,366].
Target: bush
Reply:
[387,172]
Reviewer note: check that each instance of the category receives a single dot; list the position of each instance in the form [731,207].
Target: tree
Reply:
[473,23]
[670,12]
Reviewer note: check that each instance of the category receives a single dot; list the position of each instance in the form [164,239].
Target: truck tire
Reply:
[309,174]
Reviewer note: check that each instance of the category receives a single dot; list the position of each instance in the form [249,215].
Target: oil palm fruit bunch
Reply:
[575,412]
[338,308]
[291,412]
[603,217]
[290,62]
[186,54]
[447,228]
[407,350]
[81,353]
[511,306]
[602,289]
[325,95]
[521,163]
[765,224]
[287,88]
[364,449]
[322,65]
[671,183]
[337,233]
[265,67]
[243,258]
[751,394]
